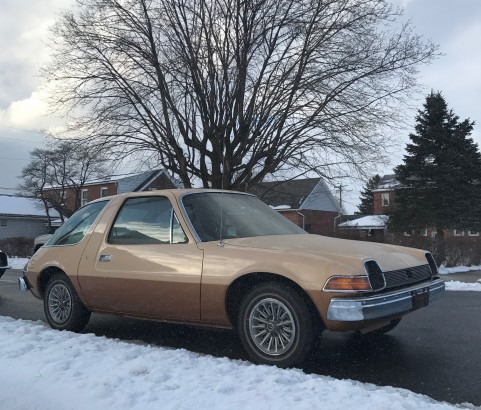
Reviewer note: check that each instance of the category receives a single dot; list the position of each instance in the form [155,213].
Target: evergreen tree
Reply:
[366,206]
[441,174]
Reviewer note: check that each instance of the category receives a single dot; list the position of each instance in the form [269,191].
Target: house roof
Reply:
[21,206]
[309,193]
[133,182]
[366,222]
[388,183]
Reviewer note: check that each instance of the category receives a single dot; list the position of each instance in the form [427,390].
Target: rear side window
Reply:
[74,230]
[146,221]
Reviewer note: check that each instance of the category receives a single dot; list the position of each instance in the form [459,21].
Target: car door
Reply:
[145,265]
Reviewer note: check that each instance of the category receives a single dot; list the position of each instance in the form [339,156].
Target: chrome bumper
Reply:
[385,305]
[22,284]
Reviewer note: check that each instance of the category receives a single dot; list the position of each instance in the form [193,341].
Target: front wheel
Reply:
[275,325]
[63,308]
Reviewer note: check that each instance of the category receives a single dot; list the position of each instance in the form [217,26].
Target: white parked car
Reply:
[39,241]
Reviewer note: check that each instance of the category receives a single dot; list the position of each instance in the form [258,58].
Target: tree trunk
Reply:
[440,246]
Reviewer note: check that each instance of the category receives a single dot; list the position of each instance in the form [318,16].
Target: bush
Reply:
[20,247]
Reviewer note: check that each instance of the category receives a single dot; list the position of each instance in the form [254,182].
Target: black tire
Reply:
[283,322]
[63,308]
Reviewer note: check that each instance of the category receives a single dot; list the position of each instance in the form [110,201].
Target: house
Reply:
[112,185]
[23,217]
[372,226]
[385,200]
[307,202]
[385,194]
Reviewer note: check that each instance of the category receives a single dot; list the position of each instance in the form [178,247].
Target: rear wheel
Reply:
[275,325]
[63,308]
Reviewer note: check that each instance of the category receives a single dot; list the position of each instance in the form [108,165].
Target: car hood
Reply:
[389,257]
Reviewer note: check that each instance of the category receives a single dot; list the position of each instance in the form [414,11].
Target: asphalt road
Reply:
[434,351]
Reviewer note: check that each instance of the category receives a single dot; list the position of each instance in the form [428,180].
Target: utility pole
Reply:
[340,194]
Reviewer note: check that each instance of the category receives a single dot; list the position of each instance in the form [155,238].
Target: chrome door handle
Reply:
[105,258]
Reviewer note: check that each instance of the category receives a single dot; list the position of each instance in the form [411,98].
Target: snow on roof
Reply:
[388,183]
[367,222]
[21,206]
[281,207]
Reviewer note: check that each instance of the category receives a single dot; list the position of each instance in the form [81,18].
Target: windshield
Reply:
[242,216]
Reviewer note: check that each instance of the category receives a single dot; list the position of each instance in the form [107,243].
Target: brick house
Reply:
[117,184]
[385,194]
[307,202]
[385,200]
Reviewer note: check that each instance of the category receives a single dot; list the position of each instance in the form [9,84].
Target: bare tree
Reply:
[64,166]
[36,179]
[230,92]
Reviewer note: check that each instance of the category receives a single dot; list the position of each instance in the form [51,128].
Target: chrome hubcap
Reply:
[59,303]
[272,327]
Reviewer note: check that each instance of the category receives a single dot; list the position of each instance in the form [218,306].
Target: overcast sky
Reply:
[453,24]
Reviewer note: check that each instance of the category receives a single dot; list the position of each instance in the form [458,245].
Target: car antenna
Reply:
[221,240]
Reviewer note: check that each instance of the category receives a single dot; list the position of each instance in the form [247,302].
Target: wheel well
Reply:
[45,277]
[242,285]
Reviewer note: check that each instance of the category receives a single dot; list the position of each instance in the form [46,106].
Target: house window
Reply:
[84,197]
[385,199]
[457,232]
[473,233]
[408,233]
[63,197]
[423,232]
[104,191]
[3,222]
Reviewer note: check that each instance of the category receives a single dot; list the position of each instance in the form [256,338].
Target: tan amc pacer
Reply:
[224,259]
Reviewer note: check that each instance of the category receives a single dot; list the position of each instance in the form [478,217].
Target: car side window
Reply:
[146,221]
[74,230]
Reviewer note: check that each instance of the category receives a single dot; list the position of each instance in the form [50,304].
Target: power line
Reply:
[15,159]
[21,139]
[22,129]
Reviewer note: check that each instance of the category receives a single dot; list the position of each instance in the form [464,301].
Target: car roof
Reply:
[176,192]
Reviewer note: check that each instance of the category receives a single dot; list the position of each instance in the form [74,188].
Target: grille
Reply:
[376,278]
[406,276]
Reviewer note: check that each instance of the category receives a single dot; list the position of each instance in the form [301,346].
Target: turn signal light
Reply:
[348,284]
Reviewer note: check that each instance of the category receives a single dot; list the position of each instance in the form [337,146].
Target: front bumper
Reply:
[386,305]
[23,285]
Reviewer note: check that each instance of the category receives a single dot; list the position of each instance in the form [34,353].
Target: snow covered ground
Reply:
[43,369]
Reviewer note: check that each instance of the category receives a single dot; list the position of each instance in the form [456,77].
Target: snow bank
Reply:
[463,286]
[457,269]
[44,369]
